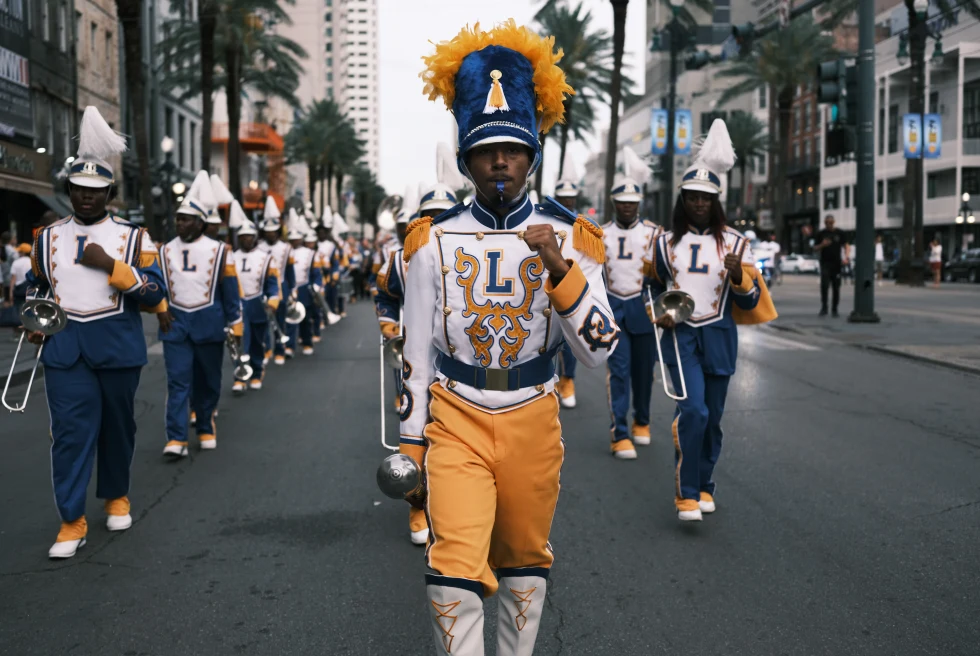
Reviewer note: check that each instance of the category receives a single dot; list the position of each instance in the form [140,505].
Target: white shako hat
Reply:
[199,200]
[713,160]
[248,228]
[270,215]
[236,216]
[295,226]
[97,142]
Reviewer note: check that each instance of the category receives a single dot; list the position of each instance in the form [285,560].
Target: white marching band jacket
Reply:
[281,252]
[253,268]
[481,316]
[629,257]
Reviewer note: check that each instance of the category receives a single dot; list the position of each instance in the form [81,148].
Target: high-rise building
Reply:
[352,68]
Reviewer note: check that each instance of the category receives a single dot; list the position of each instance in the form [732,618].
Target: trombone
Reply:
[41,315]
[243,370]
[321,303]
[391,357]
[277,332]
[679,306]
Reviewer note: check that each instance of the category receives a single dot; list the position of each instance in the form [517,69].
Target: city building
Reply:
[353,54]
[38,109]
[97,47]
[952,90]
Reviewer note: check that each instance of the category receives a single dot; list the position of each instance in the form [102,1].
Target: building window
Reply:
[893,126]
[329,47]
[181,141]
[93,31]
[894,191]
[328,16]
[971,180]
[847,196]
[881,192]
[796,120]
[807,112]
[193,145]
[762,97]
[330,32]
[168,122]
[329,76]
[881,131]
[934,102]
[63,26]
[108,55]
[971,111]
[831,198]
[45,21]
[762,165]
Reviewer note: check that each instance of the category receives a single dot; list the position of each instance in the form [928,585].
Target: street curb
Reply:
[920,358]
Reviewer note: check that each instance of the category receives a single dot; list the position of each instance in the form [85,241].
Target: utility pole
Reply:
[864,277]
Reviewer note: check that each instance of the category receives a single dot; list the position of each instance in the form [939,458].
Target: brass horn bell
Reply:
[675,303]
[393,352]
[399,476]
[44,316]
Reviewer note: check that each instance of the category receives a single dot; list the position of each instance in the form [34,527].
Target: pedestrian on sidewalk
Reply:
[879,259]
[936,259]
[829,244]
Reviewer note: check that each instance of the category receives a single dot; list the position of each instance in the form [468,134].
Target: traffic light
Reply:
[698,60]
[744,36]
[837,84]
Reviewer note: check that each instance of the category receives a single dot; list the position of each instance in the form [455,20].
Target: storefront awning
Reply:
[58,203]
[25,185]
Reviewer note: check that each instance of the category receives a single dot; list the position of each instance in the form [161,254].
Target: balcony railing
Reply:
[254,137]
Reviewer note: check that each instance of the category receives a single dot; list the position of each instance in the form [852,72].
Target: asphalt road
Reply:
[848,523]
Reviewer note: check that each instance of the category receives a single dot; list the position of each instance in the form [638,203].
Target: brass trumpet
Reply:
[41,315]
[679,306]
[243,370]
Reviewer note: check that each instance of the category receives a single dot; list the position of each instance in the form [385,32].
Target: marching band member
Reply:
[204,301]
[260,290]
[629,254]
[101,271]
[566,193]
[315,286]
[389,302]
[494,289]
[283,262]
[714,264]
[346,253]
[329,254]
[307,269]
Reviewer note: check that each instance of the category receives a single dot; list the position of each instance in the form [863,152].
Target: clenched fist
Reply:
[542,240]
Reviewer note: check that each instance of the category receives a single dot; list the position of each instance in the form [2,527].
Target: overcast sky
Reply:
[411,126]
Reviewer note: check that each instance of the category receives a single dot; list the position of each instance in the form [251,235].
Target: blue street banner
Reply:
[682,132]
[934,137]
[912,135]
[658,132]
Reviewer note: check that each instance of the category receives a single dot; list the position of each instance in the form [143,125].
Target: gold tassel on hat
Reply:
[587,238]
[496,99]
[417,236]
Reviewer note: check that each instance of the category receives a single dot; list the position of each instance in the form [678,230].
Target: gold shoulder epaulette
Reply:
[417,236]
[587,238]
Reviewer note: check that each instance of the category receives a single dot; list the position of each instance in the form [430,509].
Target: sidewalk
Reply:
[939,326]
[25,363]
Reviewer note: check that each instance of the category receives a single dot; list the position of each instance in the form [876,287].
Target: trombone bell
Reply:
[44,316]
[295,313]
[393,352]
[399,476]
[679,306]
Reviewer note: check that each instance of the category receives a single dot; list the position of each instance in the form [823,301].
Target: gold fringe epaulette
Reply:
[587,238]
[417,236]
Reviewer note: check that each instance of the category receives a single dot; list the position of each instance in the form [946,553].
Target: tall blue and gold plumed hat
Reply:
[502,85]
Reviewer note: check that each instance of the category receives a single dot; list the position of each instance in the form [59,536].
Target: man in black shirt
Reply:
[829,243]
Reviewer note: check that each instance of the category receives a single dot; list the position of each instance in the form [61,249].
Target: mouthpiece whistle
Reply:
[500,190]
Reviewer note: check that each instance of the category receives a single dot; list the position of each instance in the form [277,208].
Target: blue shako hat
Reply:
[503,86]
[480,120]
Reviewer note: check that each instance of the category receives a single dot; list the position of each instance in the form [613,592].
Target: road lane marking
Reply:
[766,339]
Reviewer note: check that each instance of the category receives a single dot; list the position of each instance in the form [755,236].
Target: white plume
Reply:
[96,139]
[221,193]
[447,170]
[634,167]
[271,211]
[236,216]
[294,223]
[339,225]
[716,152]
[569,170]
[202,191]
[327,219]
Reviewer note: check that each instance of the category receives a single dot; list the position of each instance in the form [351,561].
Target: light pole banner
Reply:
[682,132]
[912,135]
[658,132]
[934,137]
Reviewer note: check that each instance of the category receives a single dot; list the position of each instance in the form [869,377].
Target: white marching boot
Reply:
[457,620]
[520,602]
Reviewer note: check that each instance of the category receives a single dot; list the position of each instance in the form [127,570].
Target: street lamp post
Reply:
[170,188]
[678,41]
[966,212]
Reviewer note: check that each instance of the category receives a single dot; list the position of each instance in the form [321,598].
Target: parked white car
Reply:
[796,263]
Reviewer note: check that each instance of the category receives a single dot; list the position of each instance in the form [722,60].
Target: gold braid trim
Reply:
[587,238]
[417,236]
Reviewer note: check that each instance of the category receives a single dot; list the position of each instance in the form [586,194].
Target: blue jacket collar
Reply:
[522,210]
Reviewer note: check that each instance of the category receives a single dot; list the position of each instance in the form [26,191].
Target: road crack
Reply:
[559,630]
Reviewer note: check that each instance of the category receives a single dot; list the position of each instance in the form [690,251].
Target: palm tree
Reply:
[615,94]
[130,14]
[368,194]
[588,65]
[345,150]
[260,61]
[256,58]
[783,61]
[750,140]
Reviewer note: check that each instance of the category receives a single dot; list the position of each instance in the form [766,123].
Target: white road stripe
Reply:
[766,338]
